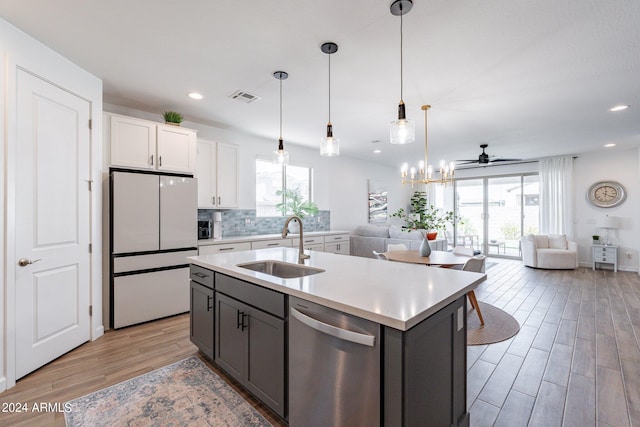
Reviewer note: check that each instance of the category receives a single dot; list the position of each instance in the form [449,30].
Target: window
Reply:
[271,177]
[497,210]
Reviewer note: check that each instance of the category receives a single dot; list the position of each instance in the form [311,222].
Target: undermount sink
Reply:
[284,270]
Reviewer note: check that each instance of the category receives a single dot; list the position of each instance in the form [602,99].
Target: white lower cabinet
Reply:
[337,244]
[314,243]
[224,247]
[275,243]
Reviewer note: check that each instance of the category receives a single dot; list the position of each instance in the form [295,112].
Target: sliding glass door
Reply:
[496,211]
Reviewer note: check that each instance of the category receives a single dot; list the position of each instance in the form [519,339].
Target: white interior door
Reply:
[52,234]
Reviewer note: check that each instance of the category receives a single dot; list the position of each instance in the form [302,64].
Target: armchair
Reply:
[553,251]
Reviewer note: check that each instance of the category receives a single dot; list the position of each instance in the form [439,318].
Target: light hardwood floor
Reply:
[575,361]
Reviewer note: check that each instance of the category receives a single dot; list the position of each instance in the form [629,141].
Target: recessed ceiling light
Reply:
[195,95]
[377,151]
[618,108]
[609,145]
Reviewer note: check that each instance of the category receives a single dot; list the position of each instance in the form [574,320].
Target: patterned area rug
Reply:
[186,393]
[498,325]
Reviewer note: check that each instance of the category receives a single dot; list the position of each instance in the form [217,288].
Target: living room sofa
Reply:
[368,238]
[553,251]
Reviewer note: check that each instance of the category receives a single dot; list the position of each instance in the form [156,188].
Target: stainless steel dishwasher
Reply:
[334,368]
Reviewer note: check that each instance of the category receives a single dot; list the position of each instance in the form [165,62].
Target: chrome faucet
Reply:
[301,255]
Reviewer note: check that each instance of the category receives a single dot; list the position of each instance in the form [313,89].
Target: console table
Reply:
[605,254]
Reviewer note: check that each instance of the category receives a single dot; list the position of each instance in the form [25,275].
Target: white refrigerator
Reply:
[153,224]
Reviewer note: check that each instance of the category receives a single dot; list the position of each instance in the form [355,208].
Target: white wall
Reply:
[340,183]
[19,50]
[614,165]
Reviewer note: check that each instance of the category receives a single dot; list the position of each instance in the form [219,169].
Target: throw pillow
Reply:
[557,241]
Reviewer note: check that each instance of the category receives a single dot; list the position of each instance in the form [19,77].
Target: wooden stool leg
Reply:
[474,303]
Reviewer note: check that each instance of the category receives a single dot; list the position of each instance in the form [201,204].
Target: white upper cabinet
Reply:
[176,149]
[217,173]
[142,144]
[227,175]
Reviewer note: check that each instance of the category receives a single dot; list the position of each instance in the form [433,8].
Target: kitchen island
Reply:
[414,354]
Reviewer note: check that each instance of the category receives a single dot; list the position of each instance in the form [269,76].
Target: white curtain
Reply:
[556,196]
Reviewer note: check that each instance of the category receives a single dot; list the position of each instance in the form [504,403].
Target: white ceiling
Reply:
[530,78]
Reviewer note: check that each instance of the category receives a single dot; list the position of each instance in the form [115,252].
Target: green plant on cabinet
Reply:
[172,117]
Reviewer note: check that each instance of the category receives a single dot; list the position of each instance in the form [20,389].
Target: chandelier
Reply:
[423,175]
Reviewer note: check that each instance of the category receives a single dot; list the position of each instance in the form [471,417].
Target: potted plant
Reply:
[172,118]
[596,239]
[295,204]
[425,217]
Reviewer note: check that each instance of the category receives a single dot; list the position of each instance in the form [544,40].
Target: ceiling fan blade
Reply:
[504,160]
[467,161]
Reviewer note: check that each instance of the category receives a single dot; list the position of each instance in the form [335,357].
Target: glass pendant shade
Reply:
[402,131]
[280,155]
[329,145]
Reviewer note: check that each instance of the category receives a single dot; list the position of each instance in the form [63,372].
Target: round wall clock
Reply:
[606,194]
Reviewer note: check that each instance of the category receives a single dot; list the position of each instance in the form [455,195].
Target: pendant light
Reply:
[403,130]
[329,145]
[280,155]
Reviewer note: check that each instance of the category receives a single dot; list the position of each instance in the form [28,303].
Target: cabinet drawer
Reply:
[276,243]
[606,251]
[257,296]
[202,276]
[335,238]
[229,247]
[313,241]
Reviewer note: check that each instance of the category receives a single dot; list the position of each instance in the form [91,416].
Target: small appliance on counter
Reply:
[204,229]
[217,225]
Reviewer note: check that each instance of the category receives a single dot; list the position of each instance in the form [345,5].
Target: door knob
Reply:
[23,262]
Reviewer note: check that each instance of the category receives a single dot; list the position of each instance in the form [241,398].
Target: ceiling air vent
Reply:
[243,96]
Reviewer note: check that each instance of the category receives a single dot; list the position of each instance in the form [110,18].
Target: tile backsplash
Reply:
[243,222]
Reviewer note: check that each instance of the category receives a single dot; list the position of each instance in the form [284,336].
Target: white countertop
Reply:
[394,294]
[256,237]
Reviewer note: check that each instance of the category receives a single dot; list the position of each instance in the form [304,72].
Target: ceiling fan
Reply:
[485,159]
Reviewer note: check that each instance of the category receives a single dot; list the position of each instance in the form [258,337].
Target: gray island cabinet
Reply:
[389,347]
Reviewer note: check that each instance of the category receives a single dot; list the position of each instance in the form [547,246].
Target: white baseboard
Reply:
[98,332]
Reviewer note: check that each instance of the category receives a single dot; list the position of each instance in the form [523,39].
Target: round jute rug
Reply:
[498,325]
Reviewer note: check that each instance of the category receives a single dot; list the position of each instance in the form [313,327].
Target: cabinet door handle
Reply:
[273,244]
[159,160]
[239,318]
[225,249]
[209,305]
[152,160]
[243,326]
[213,200]
[200,275]
[219,202]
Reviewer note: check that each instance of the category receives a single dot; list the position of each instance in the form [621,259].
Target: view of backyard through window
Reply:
[496,211]
[272,178]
